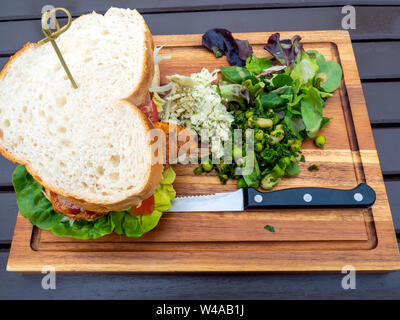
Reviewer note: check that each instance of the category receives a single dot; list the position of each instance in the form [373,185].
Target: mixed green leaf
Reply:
[282,99]
[33,205]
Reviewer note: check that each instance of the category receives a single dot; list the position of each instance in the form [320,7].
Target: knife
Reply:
[362,196]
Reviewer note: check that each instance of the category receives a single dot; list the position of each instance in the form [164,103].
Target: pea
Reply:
[278,172]
[277,136]
[278,133]
[222,165]
[207,167]
[240,161]
[284,162]
[241,183]
[259,135]
[198,170]
[264,123]
[296,145]
[258,147]
[320,141]
[237,152]
[223,178]
[256,184]
[249,113]
[269,181]
[250,122]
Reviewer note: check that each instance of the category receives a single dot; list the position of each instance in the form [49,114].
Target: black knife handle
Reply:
[362,196]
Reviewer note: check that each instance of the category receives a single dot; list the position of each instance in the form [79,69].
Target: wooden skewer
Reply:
[51,36]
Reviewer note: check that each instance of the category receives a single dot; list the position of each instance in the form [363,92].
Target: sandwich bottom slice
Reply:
[43,210]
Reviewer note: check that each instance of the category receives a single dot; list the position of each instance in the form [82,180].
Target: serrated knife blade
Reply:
[361,196]
[227,201]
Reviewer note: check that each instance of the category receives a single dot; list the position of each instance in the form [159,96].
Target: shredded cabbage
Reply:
[157,59]
[194,103]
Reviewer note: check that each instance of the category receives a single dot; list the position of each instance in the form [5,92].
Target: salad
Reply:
[280,101]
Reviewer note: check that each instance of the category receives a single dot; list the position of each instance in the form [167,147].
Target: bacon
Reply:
[70,210]
[147,100]
[149,108]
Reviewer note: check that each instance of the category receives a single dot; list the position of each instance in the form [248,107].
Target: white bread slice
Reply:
[91,144]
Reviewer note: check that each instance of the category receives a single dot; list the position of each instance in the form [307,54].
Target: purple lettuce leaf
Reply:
[220,42]
[285,51]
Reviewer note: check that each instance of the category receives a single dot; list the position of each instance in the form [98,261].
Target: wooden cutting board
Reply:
[304,240]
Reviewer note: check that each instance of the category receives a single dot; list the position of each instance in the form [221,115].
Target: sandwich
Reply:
[86,161]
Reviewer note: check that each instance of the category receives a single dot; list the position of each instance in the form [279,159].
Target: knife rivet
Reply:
[358,197]
[258,198]
[307,197]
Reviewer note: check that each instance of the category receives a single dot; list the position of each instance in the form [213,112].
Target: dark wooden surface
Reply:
[376,45]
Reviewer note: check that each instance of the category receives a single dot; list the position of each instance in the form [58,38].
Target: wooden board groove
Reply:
[304,240]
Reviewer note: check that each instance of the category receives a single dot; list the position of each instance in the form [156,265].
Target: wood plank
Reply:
[8,216]
[349,158]
[393,191]
[388,142]
[3,61]
[24,9]
[197,286]
[381,100]
[6,170]
[378,60]
[372,23]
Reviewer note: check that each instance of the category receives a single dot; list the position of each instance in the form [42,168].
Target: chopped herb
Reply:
[314,167]
[198,170]
[269,228]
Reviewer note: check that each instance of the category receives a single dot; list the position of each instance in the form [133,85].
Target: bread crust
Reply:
[154,175]
[139,94]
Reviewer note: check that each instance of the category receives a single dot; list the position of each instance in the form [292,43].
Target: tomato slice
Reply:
[147,207]
[149,108]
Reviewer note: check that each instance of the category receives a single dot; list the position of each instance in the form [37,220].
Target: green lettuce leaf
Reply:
[233,92]
[33,205]
[311,111]
[305,69]
[257,65]
[329,76]
[235,74]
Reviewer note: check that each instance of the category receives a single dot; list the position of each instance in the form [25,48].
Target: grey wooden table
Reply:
[376,42]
